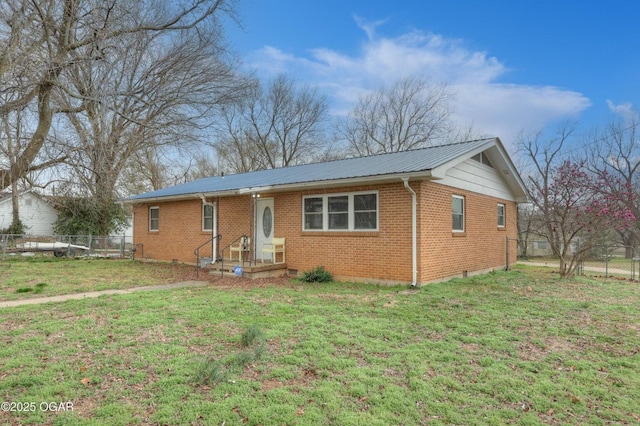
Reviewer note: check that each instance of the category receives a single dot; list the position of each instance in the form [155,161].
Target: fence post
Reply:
[606,261]
[580,259]
[633,263]
[5,239]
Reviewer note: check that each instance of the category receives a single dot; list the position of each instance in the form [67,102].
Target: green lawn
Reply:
[515,347]
[42,276]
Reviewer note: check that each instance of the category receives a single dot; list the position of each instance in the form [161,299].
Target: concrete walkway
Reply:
[91,294]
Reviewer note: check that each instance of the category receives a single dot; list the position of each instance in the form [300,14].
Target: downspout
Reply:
[214,228]
[414,232]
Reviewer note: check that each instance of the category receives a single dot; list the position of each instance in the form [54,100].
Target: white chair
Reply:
[274,247]
[243,246]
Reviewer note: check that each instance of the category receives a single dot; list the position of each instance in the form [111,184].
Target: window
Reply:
[482,158]
[313,213]
[365,211]
[458,213]
[339,212]
[501,217]
[207,217]
[356,211]
[154,218]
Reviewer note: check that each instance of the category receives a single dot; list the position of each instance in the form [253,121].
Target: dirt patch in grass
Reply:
[529,351]
[248,284]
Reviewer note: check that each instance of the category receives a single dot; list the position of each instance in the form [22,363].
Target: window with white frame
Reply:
[501,216]
[355,211]
[457,209]
[207,217]
[338,210]
[365,211]
[313,213]
[154,218]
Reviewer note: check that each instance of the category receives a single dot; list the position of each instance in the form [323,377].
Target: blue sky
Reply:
[513,65]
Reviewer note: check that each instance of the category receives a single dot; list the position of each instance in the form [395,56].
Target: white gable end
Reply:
[474,176]
[37,215]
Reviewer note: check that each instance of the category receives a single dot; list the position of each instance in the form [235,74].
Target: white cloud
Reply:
[491,106]
[505,109]
[625,110]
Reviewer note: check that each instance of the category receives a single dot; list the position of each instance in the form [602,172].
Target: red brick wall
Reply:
[179,233]
[384,255]
[482,246]
[180,227]
[235,216]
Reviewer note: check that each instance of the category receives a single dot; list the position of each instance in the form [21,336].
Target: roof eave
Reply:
[333,183]
[179,197]
[364,180]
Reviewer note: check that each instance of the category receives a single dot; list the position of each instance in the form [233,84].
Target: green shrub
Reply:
[16,227]
[212,371]
[215,370]
[317,275]
[251,335]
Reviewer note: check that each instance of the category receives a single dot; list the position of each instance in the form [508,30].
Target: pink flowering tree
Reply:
[575,209]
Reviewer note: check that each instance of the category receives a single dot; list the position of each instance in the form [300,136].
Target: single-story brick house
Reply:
[408,217]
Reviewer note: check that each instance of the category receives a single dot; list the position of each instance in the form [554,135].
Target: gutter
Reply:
[179,197]
[414,232]
[299,186]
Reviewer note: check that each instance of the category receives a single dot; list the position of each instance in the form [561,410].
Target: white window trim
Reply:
[504,215]
[464,214]
[158,209]
[351,211]
[213,218]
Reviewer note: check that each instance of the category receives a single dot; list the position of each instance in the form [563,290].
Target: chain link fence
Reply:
[604,260]
[112,246]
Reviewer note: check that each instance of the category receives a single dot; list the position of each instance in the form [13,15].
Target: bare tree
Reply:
[279,126]
[145,171]
[155,168]
[543,156]
[11,143]
[237,143]
[616,152]
[412,113]
[41,41]
[526,216]
[151,91]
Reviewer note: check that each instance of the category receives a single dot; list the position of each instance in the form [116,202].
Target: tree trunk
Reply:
[16,223]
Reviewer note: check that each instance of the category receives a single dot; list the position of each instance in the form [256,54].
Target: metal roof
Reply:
[405,162]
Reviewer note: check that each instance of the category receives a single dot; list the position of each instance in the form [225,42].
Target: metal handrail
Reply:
[197,252]
[220,255]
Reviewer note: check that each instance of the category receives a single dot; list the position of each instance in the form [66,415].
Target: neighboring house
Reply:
[36,213]
[408,217]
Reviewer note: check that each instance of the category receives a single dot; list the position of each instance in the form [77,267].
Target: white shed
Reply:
[36,213]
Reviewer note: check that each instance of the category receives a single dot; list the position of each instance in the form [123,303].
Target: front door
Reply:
[264,226]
